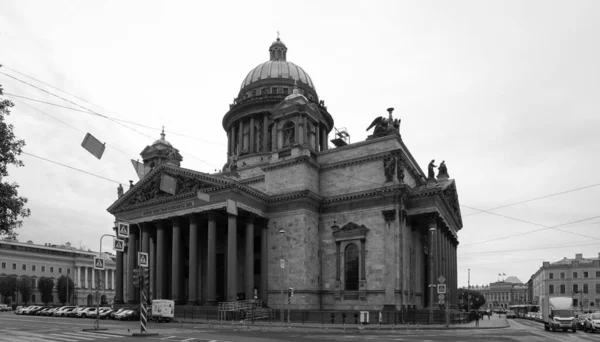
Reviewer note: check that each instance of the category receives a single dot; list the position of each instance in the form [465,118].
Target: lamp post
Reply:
[281,267]
[431,275]
[469,292]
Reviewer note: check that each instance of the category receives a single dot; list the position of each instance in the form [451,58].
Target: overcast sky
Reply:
[506,92]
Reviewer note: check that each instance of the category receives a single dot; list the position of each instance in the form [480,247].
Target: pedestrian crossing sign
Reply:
[143,259]
[98,263]
[441,288]
[119,245]
[123,230]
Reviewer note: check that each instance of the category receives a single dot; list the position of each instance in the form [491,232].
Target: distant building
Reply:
[578,278]
[502,294]
[31,261]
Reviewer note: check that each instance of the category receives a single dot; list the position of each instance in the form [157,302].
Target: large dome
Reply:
[277,69]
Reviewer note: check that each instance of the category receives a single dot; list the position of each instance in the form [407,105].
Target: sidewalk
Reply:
[493,323]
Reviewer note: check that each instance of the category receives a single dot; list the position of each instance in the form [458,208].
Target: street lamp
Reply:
[281,267]
[431,275]
[469,292]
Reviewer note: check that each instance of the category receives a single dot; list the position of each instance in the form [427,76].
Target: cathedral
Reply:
[347,226]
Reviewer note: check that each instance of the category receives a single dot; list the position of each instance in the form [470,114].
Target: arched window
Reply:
[351,267]
[288,133]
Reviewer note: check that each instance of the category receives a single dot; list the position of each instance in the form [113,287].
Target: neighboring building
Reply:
[355,226]
[27,260]
[578,278]
[502,294]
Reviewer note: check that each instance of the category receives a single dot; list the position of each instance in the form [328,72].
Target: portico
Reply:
[200,252]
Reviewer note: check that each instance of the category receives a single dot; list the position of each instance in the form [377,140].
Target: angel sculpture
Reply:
[380,124]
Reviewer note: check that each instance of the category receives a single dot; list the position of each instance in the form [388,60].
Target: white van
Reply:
[163,310]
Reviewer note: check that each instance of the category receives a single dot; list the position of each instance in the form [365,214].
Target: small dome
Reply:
[162,139]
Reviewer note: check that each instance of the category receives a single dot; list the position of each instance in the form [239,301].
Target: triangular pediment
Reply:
[148,190]
[451,196]
[351,231]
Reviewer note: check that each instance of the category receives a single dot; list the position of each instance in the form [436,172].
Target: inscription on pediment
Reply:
[151,189]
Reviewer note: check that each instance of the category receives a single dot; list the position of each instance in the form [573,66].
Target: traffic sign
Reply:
[119,245]
[98,263]
[123,230]
[441,288]
[441,279]
[143,259]
[441,297]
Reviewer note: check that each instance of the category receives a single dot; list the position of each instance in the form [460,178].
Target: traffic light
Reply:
[145,277]
[136,277]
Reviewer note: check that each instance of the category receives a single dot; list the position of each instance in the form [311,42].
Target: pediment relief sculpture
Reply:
[151,190]
[351,230]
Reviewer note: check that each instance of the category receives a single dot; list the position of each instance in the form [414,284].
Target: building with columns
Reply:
[501,294]
[348,226]
[26,260]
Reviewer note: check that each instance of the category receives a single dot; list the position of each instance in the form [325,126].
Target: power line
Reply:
[73,127]
[533,199]
[538,230]
[73,168]
[532,249]
[95,113]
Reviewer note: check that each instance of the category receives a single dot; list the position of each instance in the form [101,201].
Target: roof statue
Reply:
[430,171]
[385,126]
[443,171]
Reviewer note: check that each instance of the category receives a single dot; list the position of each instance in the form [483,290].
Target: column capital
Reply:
[250,218]
[176,220]
[211,215]
[192,218]
[229,215]
[389,215]
[432,220]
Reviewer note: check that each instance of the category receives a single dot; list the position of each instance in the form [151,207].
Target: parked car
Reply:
[511,314]
[86,312]
[63,311]
[19,310]
[592,322]
[75,312]
[3,307]
[581,321]
[106,313]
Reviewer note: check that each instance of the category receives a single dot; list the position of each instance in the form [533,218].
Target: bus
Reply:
[523,309]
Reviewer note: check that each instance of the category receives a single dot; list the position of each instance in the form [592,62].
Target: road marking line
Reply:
[33,337]
[76,335]
[98,335]
[60,337]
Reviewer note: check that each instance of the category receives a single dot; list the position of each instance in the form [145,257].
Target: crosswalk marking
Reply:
[60,338]
[99,335]
[78,336]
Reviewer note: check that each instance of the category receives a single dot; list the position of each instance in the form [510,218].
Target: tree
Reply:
[24,287]
[61,287]
[46,287]
[12,207]
[8,288]
[477,299]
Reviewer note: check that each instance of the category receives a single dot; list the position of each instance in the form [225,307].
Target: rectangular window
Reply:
[597,288]
[274,90]
[551,289]
[551,276]
[60,270]
[43,268]
[33,298]
[575,288]
[597,274]
[33,268]
[562,289]
[574,275]
[585,288]
[24,267]
[3,265]
[562,275]
[585,274]
[285,91]
[575,302]
[51,269]
[14,266]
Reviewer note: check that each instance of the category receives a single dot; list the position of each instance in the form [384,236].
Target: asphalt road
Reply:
[15,328]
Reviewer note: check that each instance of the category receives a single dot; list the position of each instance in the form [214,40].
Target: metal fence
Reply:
[331,317]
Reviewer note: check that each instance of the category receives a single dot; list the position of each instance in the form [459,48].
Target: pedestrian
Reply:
[477,319]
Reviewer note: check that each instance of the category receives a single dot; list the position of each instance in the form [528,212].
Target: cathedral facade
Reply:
[354,226]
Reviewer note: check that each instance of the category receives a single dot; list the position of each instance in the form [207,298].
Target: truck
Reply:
[557,313]
[163,310]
